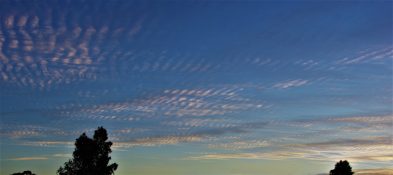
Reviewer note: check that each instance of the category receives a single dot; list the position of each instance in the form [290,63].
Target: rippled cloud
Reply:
[153,78]
[49,45]
[178,103]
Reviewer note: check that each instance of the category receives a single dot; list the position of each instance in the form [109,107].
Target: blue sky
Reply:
[198,87]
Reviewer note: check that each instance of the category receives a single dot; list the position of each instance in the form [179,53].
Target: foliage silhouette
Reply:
[342,168]
[24,173]
[91,156]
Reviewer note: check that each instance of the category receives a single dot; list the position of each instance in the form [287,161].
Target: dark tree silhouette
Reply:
[91,156]
[342,168]
[24,173]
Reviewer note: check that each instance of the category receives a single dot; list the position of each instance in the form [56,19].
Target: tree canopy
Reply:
[342,168]
[91,156]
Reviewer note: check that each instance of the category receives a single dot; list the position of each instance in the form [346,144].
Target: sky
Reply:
[198,87]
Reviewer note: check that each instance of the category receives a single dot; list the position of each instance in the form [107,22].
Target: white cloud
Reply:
[290,84]
[368,56]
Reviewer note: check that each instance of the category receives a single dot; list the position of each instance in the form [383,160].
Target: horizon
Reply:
[198,87]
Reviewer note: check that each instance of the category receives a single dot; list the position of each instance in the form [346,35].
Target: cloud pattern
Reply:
[68,65]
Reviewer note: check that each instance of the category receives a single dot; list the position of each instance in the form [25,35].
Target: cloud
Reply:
[29,158]
[352,142]
[365,124]
[365,119]
[41,157]
[275,155]
[156,141]
[197,136]
[351,137]
[25,131]
[359,148]
[381,171]
[236,128]
[145,142]
[227,156]
[290,84]
[200,122]
[34,131]
[381,157]
[194,113]
[238,145]
[368,56]
[376,149]
[48,143]
[170,102]
[62,155]
[361,153]
[69,51]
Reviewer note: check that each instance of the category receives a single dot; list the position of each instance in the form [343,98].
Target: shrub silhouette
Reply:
[24,173]
[91,156]
[342,168]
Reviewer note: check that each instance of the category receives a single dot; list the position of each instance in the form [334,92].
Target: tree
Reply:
[24,173]
[91,156]
[342,168]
